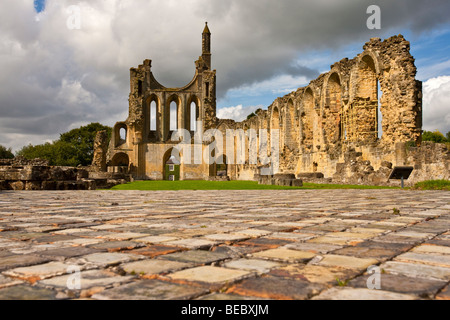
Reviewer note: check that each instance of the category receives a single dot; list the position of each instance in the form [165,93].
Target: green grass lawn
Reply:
[228,185]
[433,185]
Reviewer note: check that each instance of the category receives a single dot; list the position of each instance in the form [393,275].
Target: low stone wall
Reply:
[431,161]
[288,180]
[20,174]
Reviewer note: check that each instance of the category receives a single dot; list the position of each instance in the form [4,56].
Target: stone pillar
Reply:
[100,150]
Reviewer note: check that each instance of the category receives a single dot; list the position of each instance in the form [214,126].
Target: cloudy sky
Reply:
[55,76]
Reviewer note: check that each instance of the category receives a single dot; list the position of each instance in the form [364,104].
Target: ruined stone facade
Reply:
[142,144]
[351,124]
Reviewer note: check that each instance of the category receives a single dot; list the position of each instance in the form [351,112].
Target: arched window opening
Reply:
[207,89]
[366,105]
[139,88]
[275,119]
[290,126]
[123,134]
[307,120]
[193,117]
[333,109]
[173,116]
[153,116]
[379,114]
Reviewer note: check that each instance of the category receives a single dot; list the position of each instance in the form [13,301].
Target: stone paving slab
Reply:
[27,292]
[224,245]
[362,294]
[277,288]
[151,290]
[423,288]
[210,275]
[147,268]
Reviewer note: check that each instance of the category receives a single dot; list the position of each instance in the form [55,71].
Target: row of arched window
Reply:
[173,116]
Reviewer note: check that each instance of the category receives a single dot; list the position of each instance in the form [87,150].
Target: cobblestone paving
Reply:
[317,244]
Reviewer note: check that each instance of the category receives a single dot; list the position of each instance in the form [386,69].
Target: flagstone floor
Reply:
[299,244]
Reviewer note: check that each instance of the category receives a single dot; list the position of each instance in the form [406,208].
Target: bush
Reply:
[6,153]
[435,136]
[74,148]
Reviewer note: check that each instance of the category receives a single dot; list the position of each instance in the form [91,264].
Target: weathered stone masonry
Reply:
[332,127]
[351,124]
[145,145]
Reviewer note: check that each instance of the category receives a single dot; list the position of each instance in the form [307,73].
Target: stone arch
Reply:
[307,119]
[172,123]
[120,134]
[362,119]
[221,169]
[170,159]
[275,118]
[332,111]
[192,113]
[152,116]
[290,128]
[120,163]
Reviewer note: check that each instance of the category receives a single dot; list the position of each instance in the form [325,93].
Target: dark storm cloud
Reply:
[53,77]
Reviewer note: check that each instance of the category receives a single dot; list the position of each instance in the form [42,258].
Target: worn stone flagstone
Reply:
[27,292]
[109,259]
[259,266]
[7,282]
[151,290]
[38,272]
[346,262]
[287,255]
[314,274]
[417,270]
[208,274]
[362,294]
[192,243]
[88,279]
[432,249]
[431,259]
[276,288]
[423,288]
[154,266]
[198,257]
[272,244]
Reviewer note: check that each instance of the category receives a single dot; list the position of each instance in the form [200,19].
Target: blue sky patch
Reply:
[39,5]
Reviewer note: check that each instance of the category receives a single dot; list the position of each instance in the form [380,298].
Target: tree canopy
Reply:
[73,148]
[5,153]
[435,136]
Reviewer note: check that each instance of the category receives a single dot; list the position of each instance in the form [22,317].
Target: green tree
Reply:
[435,136]
[448,136]
[74,148]
[82,140]
[6,153]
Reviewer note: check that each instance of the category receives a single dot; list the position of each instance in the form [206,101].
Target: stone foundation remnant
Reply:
[20,174]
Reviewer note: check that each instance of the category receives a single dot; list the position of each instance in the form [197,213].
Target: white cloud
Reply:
[53,78]
[237,113]
[436,104]
[282,84]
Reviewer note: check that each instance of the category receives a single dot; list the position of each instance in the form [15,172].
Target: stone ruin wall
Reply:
[20,174]
[329,129]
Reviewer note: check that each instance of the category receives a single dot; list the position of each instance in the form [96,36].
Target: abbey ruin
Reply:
[352,124]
